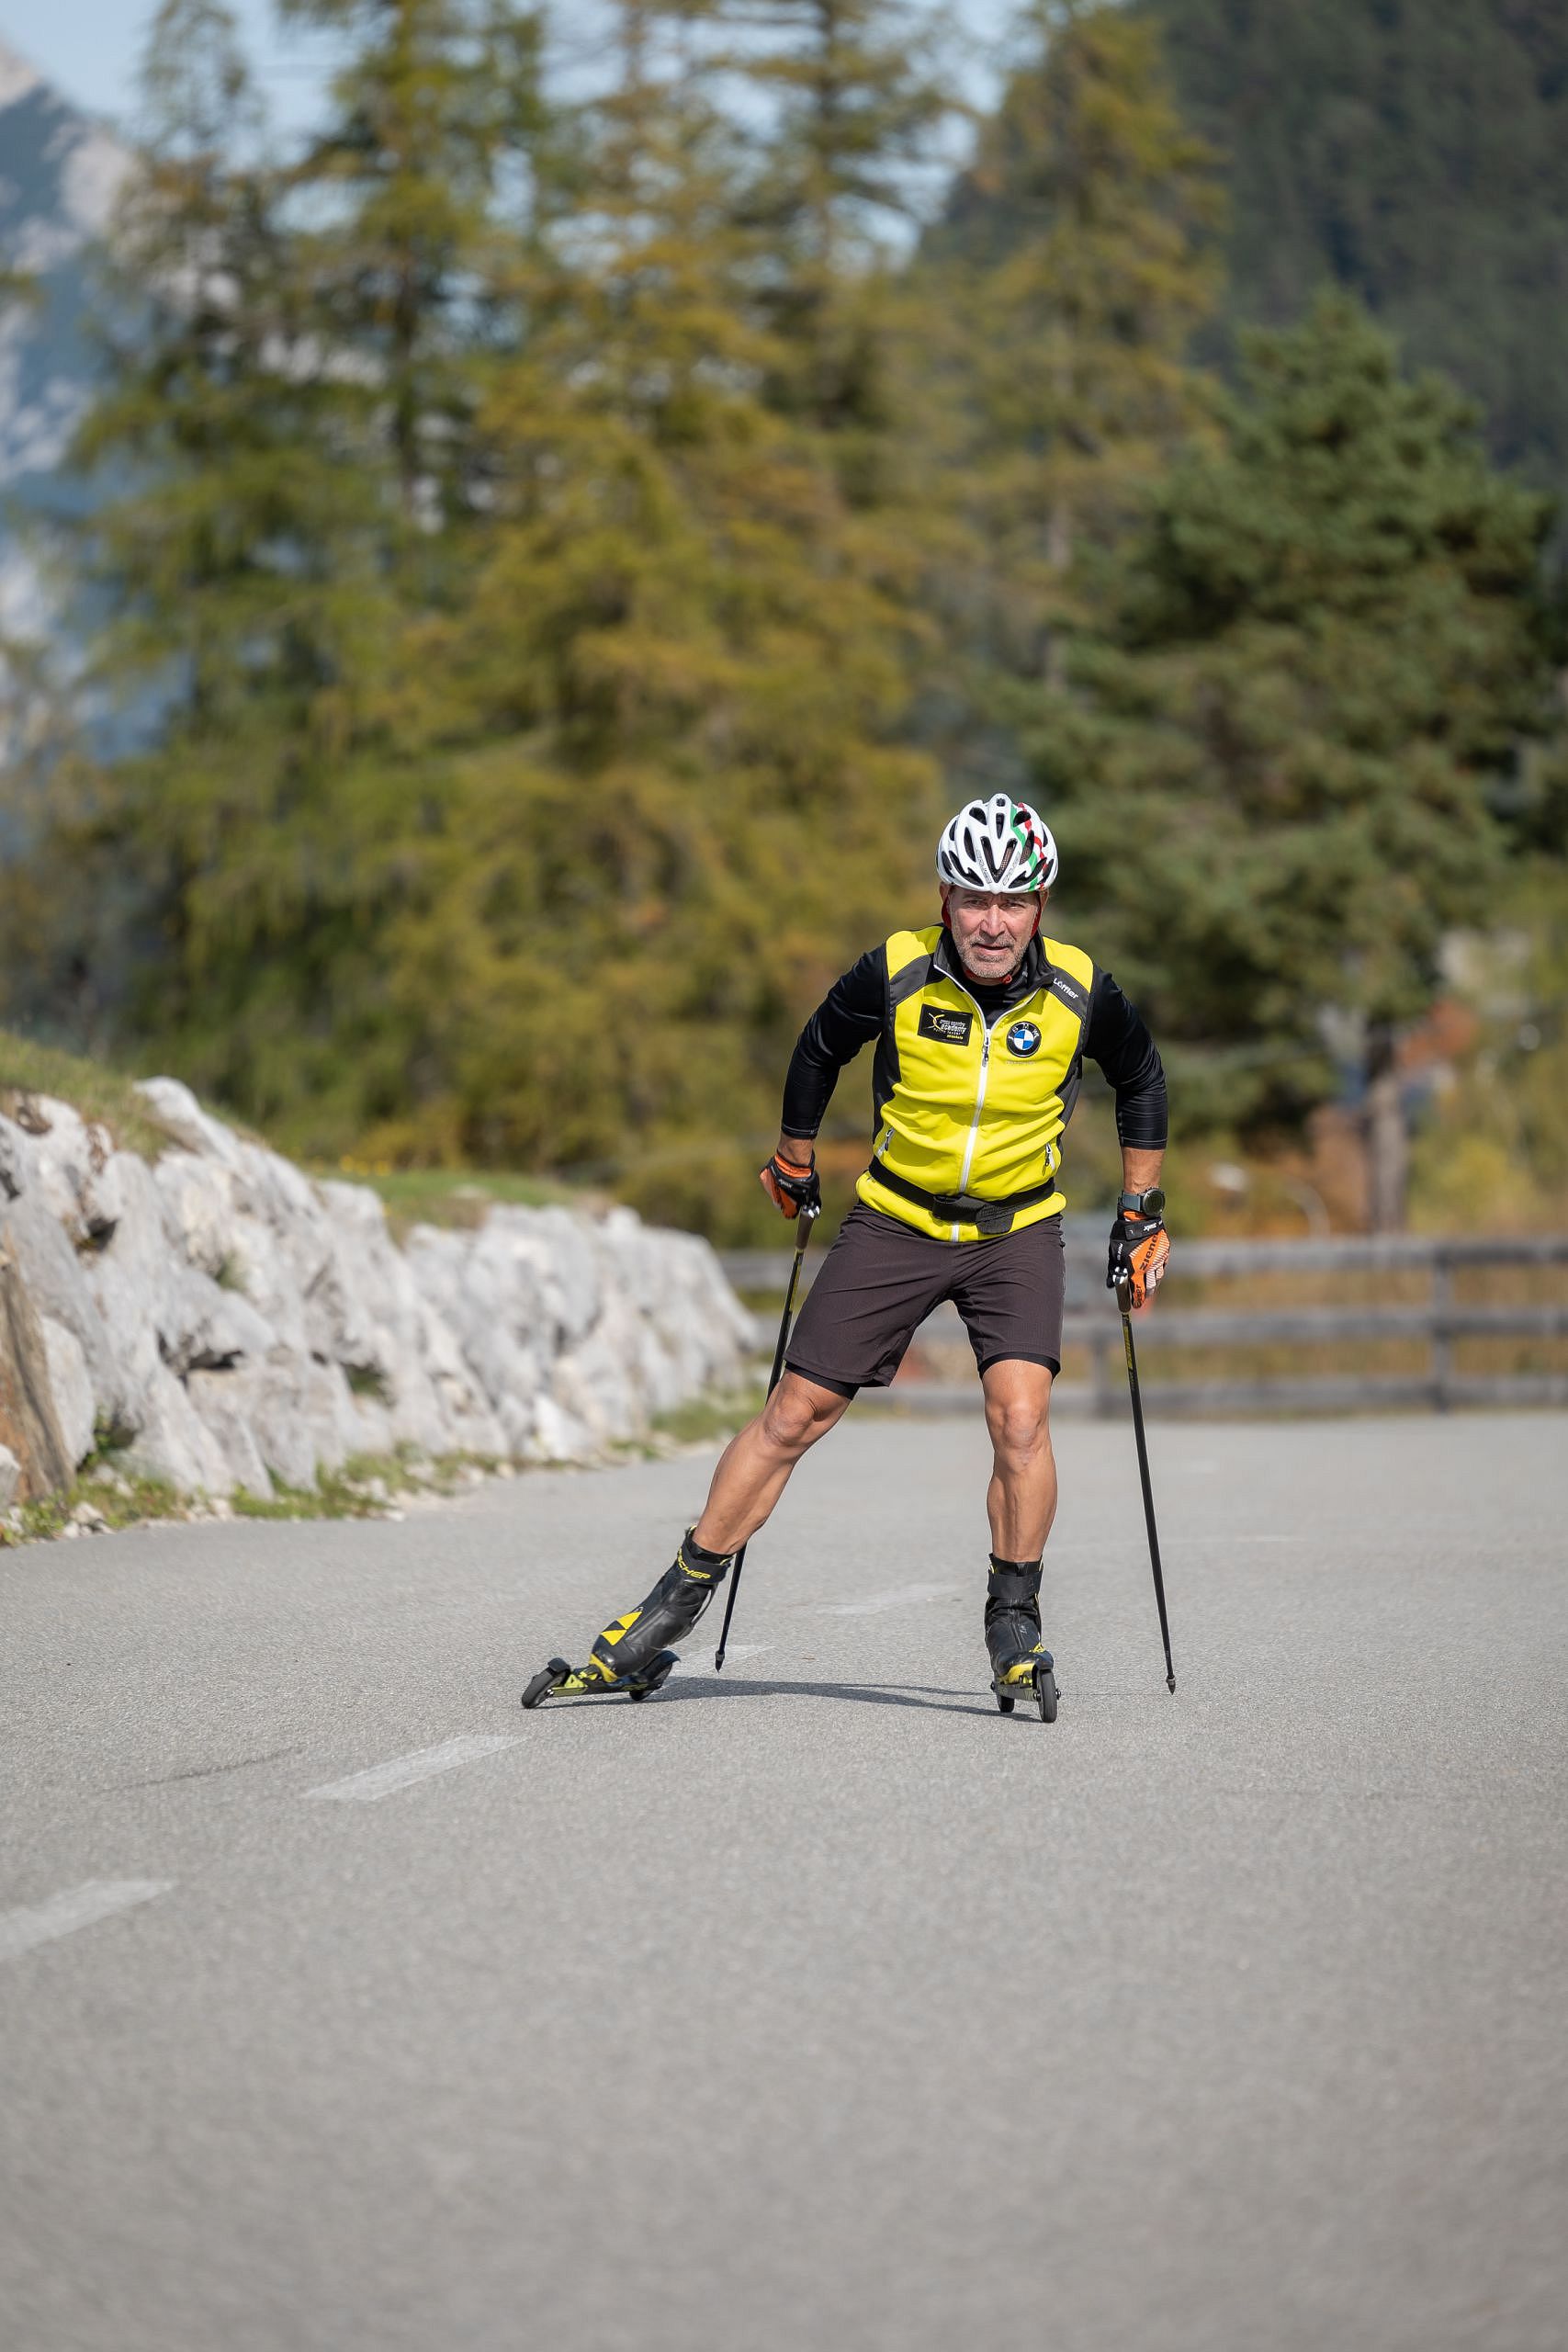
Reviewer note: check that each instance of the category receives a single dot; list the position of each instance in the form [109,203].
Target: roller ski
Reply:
[1022,1666]
[632,1655]
[560,1679]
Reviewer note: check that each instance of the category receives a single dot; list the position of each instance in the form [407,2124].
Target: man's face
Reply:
[991,928]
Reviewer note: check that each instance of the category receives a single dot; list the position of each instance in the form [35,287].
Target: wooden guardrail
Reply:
[1439,1323]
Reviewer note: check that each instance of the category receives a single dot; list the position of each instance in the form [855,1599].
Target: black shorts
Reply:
[881,1279]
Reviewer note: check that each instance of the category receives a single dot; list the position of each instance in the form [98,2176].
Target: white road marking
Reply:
[79,1907]
[875,1602]
[402,1771]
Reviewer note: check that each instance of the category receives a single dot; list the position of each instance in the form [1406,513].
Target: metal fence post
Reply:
[1442,1336]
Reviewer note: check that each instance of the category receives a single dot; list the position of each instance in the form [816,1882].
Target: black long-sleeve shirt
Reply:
[855,1010]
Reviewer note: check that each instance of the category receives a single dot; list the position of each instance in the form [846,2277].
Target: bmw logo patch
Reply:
[1023,1037]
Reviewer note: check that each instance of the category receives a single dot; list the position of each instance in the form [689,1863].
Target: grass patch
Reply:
[120,1498]
[702,1417]
[458,1199]
[366,1486]
[99,1094]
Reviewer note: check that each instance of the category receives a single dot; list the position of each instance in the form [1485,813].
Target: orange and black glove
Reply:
[1140,1246]
[792,1185]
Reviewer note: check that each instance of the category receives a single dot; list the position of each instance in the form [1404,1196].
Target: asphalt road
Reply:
[814,2004]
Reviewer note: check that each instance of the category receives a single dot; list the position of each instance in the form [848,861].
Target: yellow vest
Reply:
[962,1108]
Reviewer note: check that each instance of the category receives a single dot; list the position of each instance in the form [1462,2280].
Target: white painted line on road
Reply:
[402,1771]
[79,1907]
[875,1602]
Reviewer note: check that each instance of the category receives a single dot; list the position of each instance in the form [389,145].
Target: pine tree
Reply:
[1072,263]
[436,105]
[1329,653]
[282,436]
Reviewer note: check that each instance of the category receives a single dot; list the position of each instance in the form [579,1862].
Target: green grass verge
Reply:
[366,1486]
[98,1092]
[456,1198]
[702,1417]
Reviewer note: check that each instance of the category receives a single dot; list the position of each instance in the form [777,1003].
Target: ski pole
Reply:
[1124,1301]
[807,1220]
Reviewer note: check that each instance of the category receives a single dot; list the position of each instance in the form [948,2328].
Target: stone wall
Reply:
[230,1322]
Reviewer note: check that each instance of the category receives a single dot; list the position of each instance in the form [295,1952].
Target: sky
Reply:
[89,50]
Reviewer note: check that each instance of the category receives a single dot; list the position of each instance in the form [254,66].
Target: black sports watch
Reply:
[1149,1204]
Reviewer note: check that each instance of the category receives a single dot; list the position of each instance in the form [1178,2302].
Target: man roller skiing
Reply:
[980,1026]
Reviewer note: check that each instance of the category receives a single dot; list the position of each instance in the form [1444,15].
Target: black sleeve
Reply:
[1117,1036]
[849,1017]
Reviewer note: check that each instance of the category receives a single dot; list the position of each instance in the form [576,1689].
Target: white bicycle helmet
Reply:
[998,845]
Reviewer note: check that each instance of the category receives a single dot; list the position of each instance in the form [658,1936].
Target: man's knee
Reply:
[1018,1419]
[799,1412]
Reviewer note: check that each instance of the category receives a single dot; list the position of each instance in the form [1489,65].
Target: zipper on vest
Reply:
[980,1106]
[980,1090]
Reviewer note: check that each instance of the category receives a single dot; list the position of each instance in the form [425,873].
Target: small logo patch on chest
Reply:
[1023,1039]
[947,1028]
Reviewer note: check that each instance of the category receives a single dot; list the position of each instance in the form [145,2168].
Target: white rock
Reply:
[10,1477]
[383,1325]
[156,1304]
[204,1327]
[19,1160]
[75,1167]
[55,1280]
[198,1196]
[541,1337]
[71,1387]
[285,1413]
[174,1444]
[221,1401]
[266,1277]
[487,1289]
[178,1111]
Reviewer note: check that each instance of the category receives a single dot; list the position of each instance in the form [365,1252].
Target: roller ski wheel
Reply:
[561,1680]
[1029,1678]
[1045,1690]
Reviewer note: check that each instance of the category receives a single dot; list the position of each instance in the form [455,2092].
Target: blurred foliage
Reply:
[558,558]
[1284,758]
[1416,156]
[1490,1145]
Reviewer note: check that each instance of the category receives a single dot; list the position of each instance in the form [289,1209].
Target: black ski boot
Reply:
[631,1655]
[1022,1666]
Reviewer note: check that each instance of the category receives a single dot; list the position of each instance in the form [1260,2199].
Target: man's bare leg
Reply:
[633,1653]
[755,1466]
[1021,1498]
[1022,1503]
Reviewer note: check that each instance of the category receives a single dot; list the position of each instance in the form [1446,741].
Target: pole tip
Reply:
[1170,1684]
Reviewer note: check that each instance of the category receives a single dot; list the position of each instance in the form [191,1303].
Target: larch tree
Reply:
[678,801]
